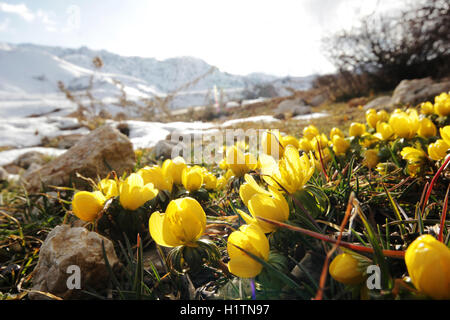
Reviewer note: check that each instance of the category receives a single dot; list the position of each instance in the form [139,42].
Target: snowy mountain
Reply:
[29,70]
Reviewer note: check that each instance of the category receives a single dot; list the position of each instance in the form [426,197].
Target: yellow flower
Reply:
[223,164]
[291,172]
[405,124]
[134,193]
[438,150]
[289,140]
[336,132]
[415,158]
[192,178]
[272,144]
[445,134]
[305,145]
[87,205]
[372,117]
[174,168]
[428,264]
[319,140]
[427,128]
[356,129]
[427,108]
[248,189]
[183,223]
[109,188]
[340,145]
[384,131]
[383,115]
[310,132]
[370,158]
[209,181]
[239,162]
[156,176]
[252,239]
[412,154]
[273,206]
[442,104]
[344,268]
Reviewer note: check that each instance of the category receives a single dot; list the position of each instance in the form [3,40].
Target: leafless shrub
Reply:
[413,44]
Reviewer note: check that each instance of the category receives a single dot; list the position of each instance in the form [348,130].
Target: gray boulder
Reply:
[416,91]
[294,107]
[383,102]
[66,251]
[95,155]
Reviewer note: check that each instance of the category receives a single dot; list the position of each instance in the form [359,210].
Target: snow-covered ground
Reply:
[263,118]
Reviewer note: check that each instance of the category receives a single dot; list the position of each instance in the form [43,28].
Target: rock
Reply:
[95,155]
[312,264]
[319,99]
[383,102]
[68,141]
[293,107]
[164,149]
[65,247]
[416,91]
[3,174]
[27,159]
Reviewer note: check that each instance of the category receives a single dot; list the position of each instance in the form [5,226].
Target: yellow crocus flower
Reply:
[427,128]
[384,131]
[428,264]
[192,178]
[426,108]
[372,118]
[240,163]
[252,239]
[134,193]
[109,188]
[344,268]
[272,144]
[289,140]
[156,176]
[336,132]
[291,172]
[438,150]
[273,206]
[445,134]
[356,129]
[209,181]
[183,223]
[371,158]
[87,205]
[174,168]
[442,104]
[340,145]
[310,132]
[405,124]
[305,145]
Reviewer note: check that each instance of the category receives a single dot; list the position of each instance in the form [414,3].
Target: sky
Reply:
[279,37]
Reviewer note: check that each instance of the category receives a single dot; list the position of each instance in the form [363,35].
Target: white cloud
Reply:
[19,9]
[4,25]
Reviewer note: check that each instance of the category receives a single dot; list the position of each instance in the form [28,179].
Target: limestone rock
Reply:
[27,159]
[294,107]
[383,102]
[319,99]
[164,149]
[64,247]
[95,155]
[416,91]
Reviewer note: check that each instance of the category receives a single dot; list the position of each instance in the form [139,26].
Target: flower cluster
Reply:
[263,186]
